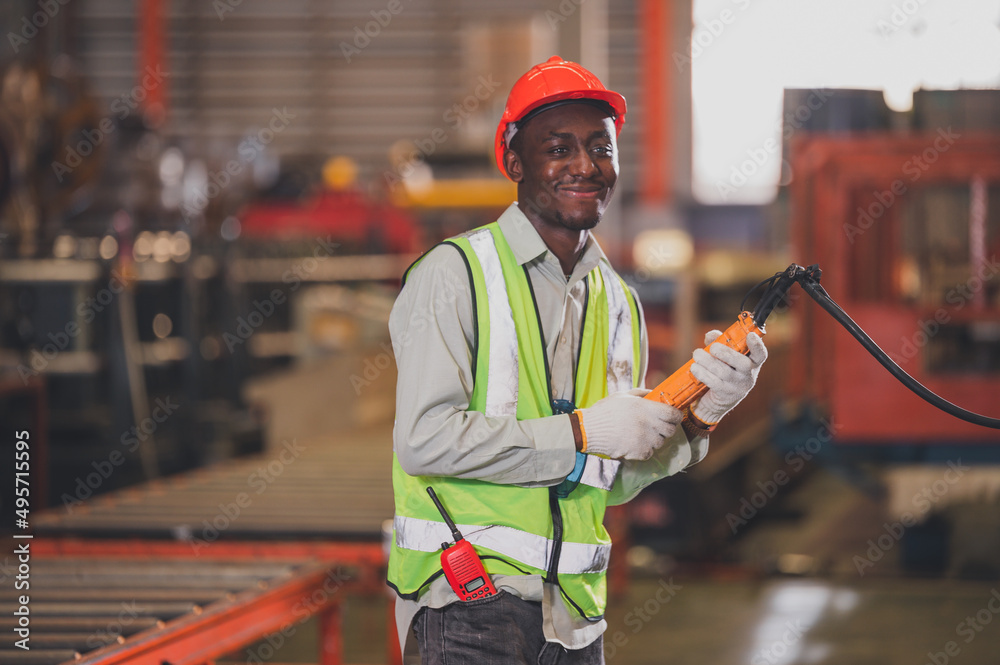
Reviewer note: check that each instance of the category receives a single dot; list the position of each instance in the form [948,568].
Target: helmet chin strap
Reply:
[509,133]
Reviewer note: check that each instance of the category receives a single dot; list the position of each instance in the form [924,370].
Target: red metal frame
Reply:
[833,176]
[201,638]
[348,553]
[656,35]
[152,56]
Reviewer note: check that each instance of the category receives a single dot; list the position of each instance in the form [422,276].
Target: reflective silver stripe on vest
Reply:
[600,472]
[501,382]
[575,558]
[620,347]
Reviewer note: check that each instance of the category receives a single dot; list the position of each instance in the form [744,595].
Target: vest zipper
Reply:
[541,336]
[552,574]
[583,323]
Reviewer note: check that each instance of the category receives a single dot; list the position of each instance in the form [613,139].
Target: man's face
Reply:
[566,166]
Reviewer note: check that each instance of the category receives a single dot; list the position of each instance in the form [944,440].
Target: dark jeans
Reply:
[499,630]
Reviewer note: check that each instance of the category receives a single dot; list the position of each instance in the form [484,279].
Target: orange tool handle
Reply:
[681,389]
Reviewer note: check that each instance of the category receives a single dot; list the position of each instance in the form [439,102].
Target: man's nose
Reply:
[582,163]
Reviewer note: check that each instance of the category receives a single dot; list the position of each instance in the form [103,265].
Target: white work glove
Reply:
[728,374]
[625,426]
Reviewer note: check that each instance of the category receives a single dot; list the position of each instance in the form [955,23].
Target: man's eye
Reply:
[603,149]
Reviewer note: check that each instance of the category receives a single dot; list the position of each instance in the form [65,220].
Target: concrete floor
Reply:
[684,620]
[750,614]
[804,621]
[832,612]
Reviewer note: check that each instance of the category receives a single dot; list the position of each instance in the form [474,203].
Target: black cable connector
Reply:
[808,279]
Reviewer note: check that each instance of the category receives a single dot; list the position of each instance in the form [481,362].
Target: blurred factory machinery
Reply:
[205,212]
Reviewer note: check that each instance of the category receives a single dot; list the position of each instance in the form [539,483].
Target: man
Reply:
[521,357]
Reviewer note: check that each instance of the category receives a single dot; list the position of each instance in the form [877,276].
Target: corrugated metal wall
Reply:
[232,62]
[623,77]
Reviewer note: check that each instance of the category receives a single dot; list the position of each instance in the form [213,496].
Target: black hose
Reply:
[824,300]
[770,284]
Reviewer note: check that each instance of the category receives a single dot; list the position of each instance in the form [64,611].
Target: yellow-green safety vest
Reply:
[518,530]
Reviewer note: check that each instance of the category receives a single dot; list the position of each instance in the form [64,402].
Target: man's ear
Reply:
[513,165]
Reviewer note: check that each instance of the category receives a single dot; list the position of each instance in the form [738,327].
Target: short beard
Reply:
[575,225]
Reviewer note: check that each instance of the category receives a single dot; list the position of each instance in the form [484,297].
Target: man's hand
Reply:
[625,426]
[728,374]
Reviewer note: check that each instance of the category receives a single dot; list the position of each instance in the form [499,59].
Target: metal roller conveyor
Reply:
[167,616]
[217,552]
[315,489]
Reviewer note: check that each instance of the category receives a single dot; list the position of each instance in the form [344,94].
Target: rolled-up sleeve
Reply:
[433,336]
[676,454]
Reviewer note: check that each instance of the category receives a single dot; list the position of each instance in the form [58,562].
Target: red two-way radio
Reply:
[462,566]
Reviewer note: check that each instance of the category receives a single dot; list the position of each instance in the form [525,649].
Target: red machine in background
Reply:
[340,210]
[349,217]
[908,241]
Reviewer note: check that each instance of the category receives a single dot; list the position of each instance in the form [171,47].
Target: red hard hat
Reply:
[552,81]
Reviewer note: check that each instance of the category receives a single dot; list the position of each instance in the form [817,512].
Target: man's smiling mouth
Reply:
[581,191]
